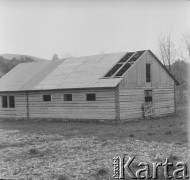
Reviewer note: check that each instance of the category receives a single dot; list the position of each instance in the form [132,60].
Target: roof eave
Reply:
[64,89]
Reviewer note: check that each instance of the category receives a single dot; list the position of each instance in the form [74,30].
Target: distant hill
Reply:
[19,56]
[9,61]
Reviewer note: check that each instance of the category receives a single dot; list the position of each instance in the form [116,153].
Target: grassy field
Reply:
[61,150]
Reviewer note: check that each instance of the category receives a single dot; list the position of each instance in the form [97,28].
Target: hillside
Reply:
[19,57]
[9,61]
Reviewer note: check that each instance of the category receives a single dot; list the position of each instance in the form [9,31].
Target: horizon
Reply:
[84,28]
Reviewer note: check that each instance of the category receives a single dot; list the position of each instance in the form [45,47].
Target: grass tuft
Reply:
[173,158]
[63,177]
[33,151]
[150,134]
[131,135]
[168,133]
[101,173]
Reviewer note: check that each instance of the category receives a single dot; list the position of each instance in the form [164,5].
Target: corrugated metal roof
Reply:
[79,72]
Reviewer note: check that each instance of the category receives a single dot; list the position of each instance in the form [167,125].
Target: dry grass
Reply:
[82,151]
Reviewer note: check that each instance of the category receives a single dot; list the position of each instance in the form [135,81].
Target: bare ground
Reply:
[61,150]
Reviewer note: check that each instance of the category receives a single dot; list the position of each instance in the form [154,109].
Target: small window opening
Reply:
[11,101]
[129,63]
[123,69]
[47,97]
[91,97]
[126,57]
[118,65]
[4,102]
[67,97]
[113,70]
[148,75]
[148,95]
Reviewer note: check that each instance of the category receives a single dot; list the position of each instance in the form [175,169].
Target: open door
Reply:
[148,106]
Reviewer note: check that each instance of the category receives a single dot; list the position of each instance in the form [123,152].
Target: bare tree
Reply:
[186,39]
[166,50]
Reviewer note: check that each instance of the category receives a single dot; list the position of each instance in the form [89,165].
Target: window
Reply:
[67,97]
[11,101]
[91,97]
[129,63]
[8,101]
[119,64]
[4,102]
[148,77]
[47,97]
[148,95]
[113,70]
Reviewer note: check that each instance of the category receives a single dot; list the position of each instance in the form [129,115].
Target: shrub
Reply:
[168,133]
[33,151]
[63,177]
[172,158]
[101,174]
[131,135]
[150,134]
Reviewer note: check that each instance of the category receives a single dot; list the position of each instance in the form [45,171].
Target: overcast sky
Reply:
[44,27]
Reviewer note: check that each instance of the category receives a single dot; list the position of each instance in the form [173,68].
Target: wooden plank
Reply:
[164,101]
[175,102]
[20,106]
[102,108]
[117,106]
[27,106]
[131,101]
[136,74]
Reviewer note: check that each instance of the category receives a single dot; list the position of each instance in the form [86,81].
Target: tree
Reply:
[166,50]
[180,70]
[187,43]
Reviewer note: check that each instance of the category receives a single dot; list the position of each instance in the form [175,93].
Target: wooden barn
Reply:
[118,86]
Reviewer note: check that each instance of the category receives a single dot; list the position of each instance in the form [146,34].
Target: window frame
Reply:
[65,98]
[148,96]
[8,101]
[148,73]
[47,95]
[87,97]
[2,101]
[11,104]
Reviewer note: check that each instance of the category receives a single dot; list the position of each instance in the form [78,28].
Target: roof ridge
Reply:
[104,54]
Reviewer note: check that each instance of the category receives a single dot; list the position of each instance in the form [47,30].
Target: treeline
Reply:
[180,71]
[7,64]
[176,56]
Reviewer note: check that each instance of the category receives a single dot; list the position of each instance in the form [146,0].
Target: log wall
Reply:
[79,108]
[131,89]
[103,108]
[123,103]
[164,101]
[136,74]
[131,103]
[20,106]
